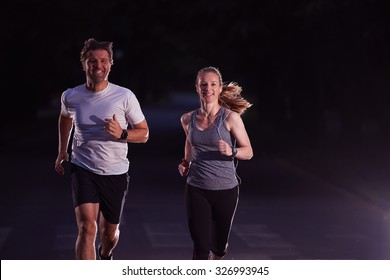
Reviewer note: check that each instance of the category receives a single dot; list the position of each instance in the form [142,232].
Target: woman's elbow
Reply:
[246,155]
[249,155]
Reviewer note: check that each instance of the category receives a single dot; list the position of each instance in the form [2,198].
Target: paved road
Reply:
[285,212]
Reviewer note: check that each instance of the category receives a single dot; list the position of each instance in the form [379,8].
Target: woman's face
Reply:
[209,87]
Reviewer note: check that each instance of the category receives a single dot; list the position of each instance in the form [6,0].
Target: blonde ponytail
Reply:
[232,99]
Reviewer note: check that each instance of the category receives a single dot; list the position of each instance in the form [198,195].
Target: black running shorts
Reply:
[108,190]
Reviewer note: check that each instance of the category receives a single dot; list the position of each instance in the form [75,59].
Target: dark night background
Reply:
[316,70]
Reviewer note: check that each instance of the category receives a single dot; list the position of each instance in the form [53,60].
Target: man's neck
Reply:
[97,87]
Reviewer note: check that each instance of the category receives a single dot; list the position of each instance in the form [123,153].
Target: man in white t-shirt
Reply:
[105,117]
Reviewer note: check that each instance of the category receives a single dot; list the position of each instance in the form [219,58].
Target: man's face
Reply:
[97,66]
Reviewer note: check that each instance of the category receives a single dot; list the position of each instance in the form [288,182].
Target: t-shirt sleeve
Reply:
[64,107]
[134,112]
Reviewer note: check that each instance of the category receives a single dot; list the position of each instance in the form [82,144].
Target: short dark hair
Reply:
[92,44]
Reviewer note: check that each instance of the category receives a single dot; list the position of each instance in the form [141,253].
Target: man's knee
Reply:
[110,234]
[88,228]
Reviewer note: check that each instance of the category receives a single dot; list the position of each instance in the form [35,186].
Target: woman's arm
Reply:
[184,166]
[236,126]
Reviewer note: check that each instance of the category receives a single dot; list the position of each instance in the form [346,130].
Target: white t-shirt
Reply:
[93,148]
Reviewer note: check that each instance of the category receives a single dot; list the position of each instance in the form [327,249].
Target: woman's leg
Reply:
[224,209]
[199,221]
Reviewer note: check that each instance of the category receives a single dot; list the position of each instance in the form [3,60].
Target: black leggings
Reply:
[210,215]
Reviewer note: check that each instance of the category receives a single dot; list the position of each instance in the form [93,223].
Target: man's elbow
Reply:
[146,137]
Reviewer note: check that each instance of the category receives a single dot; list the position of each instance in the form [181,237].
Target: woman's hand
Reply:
[184,167]
[225,148]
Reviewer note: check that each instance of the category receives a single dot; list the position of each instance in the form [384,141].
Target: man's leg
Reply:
[86,216]
[109,237]
[112,199]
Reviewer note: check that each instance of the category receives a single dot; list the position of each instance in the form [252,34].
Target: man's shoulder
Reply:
[77,88]
[120,89]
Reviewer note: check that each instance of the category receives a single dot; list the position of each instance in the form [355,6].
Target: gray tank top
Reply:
[209,168]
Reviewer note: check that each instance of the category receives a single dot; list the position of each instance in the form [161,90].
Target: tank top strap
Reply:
[193,118]
[221,117]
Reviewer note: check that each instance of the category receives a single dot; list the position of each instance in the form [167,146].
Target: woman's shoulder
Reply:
[232,117]
[185,118]
[231,114]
